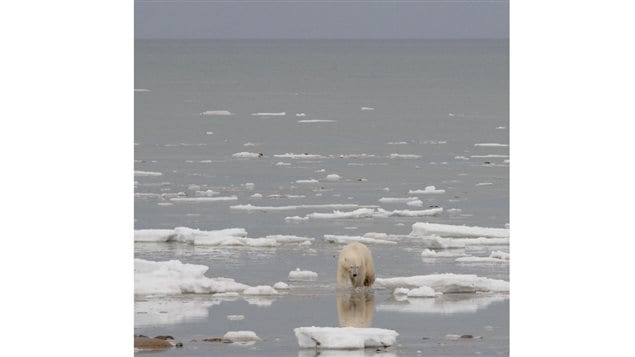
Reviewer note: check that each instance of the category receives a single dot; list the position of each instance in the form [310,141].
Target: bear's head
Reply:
[352,264]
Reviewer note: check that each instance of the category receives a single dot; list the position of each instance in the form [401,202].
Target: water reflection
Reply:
[445,304]
[356,308]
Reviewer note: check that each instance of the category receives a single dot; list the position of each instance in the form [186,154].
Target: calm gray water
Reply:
[435,99]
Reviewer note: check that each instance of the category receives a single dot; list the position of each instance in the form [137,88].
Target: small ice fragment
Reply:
[235,317]
[422,292]
[281,285]
[333,177]
[216,112]
[241,336]
[302,274]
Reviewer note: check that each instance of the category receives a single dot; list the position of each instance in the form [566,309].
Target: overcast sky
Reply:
[321,19]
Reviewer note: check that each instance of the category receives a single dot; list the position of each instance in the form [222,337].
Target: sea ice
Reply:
[250,207]
[203,199]
[235,317]
[397,199]
[341,239]
[299,156]
[316,121]
[415,203]
[281,286]
[147,173]
[307,181]
[425,191]
[279,114]
[427,229]
[216,112]
[491,145]
[446,283]
[154,235]
[246,155]
[404,156]
[241,336]
[302,275]
[344,337]
[366,108]
[260,290]
[422,292]
[333,177]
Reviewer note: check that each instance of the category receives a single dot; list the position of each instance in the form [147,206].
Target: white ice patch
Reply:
[300,115]
[203,199]
[344,337]
[427,229]
[246,155]
[216,113]
[256,195]
[489,156]
[208,193]
[422,292]
[147,173]
[479,260]
[280,163]
[415,203]
[397,143]
[241,336]
[260,290]
[174,277]
[250,207]
[333,177]
[235,317]
[484,184]
[278,114]
[397,199]
[404,156]
[446,283]
[302,275]
[491,145]
[499,255]
[341,239]
[307,181]
[401,292]
[434,242]
[154,235]
[281,286]
[366,108]
[280,238]
[141,90]
[358,213]
[370,213]
[299,156]
[426,191]
[225,237]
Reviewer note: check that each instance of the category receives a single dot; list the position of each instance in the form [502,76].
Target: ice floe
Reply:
[280,163]
[415,203]
[241,336]
[225,237]
[216,113]
[404,156]
[333,177]
[427,229]
[203,199]
[260,290]
[366,108]
[473,259]
[369,213]
[344,337]
[447,283]
[343,239]
[397,199]
[484,184]
[281,286]
[426,191]
[422,292]
[207,193]
[434,242]
[281,238]
[247,155]
[147,173]
[141,90]
[499,255]
[256,195]
[235,317]
[302,274]
[489,156]
[358,213]
[300,114]
[307,181]
[316,121]
[175,277]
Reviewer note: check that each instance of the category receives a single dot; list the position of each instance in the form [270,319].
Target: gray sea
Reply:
[386,116]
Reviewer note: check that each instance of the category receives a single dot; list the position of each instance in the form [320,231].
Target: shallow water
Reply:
[439,97]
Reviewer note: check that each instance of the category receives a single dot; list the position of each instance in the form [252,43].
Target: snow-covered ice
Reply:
[241,336]
[484,184]
[281,286]
[260,290]
[307,181]
[499,255]
[317,121]
[427,190]
[429,253]
[280,163]
[216,112]
[246,155]
[282,238]
[256,195]
[358,213]
[147,173]
[235,317]
[427,229]
[299,156]
[342,239]
[302,275]
[422,292]
[175,277]
[446,283]
[344,337]
[415,203]
[333,177]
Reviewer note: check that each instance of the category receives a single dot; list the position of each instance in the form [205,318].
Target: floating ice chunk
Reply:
[397,199]
[208,193]
[358,213]
[415,203]
[397,143]
[296,219]
[408,213]
[404,156]
[317,121]
[256,195]
[250,207]
[489,156]
[484,184]
[235,317]
[302,274]
[203,199]
[281,286]
[300,115]
[367,108]
[249,144]
[289,238]
[344,337]
[426,191]
[333,177]
[250,185]
[473,259]
[307,181]
[147,173]
[216,113]
[427,229]
[280,163]
[209,133]
[500,128]
[225,237]
[299,156]
[461,158]
[141,90]
[340,239]
[446,283]
[443,304]
[260,290]
[491,145]
[422,292]
[355,156]
[279,114]
[247,155]
[400,291]
[174,277]
[153,235]
[241,336]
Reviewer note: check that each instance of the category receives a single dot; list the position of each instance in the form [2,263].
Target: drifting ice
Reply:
[344,337]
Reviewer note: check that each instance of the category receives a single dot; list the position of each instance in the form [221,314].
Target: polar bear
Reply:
[355,265]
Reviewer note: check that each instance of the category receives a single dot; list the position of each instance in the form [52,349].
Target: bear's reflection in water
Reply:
[355,308]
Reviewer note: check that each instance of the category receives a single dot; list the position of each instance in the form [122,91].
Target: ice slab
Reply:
[216,112]
[302,275]
[344,337]
[341,239]
[147,173]
[246,155]
[427,229]
[446,283]
[426,191]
